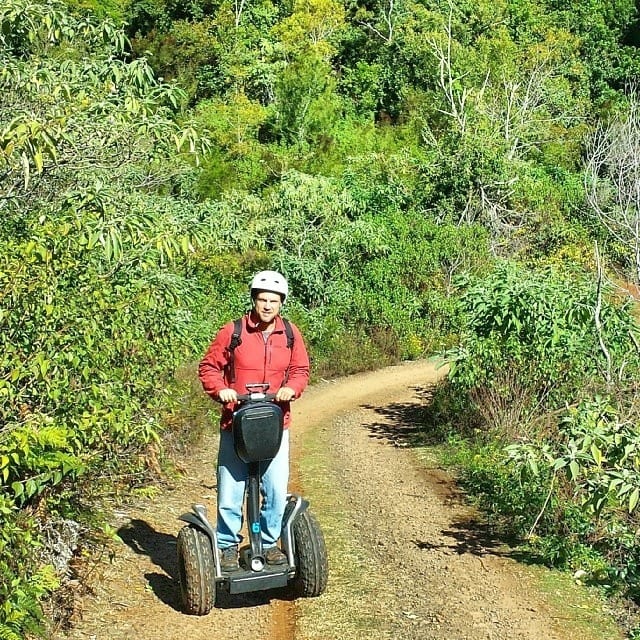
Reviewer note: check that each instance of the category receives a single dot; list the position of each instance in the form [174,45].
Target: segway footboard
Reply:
[246,581]
[201,574]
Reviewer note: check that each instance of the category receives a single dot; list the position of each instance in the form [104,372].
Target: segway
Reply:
[257,433]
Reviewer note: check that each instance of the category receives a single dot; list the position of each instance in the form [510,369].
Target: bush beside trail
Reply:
[135,211]
[539,415]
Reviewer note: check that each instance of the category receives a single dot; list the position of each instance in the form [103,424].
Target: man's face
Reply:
[267,306]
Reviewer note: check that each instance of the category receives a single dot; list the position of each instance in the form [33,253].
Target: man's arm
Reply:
[211,369]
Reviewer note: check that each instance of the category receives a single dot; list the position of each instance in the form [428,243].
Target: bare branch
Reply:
[612,178]
[597,311]
[447,80]
[389,18]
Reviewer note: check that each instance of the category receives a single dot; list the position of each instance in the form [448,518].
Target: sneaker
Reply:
[273,555]
[229,559]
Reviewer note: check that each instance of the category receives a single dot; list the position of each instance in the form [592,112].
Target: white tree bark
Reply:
[612,178]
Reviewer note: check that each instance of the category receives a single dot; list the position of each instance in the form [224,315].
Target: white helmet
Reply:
[270,281]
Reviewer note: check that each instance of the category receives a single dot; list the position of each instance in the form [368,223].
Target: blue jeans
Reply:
[232,482]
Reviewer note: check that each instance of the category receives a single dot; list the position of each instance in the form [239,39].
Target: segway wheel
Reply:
[311,556]
[196,566]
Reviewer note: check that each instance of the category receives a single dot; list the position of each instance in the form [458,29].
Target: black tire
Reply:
[196,566]
[312,563]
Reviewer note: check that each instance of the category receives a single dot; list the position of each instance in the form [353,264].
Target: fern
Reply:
[6,633]
[21,613]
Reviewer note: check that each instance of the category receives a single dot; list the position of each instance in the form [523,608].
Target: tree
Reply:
[612,178]
[493,104]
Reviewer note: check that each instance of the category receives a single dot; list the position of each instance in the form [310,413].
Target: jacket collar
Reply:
[252,322]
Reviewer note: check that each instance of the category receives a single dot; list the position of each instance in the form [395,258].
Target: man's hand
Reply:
[227,395]
[285,394]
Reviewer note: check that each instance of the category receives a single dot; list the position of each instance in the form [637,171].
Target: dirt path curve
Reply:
[433,572]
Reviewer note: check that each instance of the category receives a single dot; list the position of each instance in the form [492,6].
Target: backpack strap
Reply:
[235,342]
[289,333]
[290,339]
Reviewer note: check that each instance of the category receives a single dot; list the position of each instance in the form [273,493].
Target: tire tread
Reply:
[197,571]
[311,556]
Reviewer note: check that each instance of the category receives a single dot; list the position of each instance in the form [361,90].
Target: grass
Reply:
[590,616]
[349,609]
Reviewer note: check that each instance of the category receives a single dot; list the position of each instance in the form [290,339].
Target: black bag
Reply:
[257,431]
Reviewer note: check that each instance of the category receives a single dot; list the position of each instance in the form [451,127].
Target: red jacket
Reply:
[255,361]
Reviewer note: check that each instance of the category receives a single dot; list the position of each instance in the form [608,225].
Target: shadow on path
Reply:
[469,536]
[160,548]
[406,424]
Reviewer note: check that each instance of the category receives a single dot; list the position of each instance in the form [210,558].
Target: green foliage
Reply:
[379,154]
[55,105]
[544,494]
[603,455]
[509,499]
[211,50]
[593,466]
[544,325]
[307,104]
[237,163]
[186,52]
[566,482]
[21,587]
[113,9]
[608,33]
[410,288]
[342,351]
[94,262]
[561,479]
[599,452]
[311,28]
[37,456]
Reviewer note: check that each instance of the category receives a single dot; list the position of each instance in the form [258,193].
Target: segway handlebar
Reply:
[255,396]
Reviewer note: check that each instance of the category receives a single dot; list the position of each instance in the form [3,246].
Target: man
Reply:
[264,354]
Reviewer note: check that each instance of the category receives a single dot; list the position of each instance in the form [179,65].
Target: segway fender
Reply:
[198,519]
[295,506]
[195,521]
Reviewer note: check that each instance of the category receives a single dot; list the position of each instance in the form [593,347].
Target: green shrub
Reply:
[541,399]
[550,329]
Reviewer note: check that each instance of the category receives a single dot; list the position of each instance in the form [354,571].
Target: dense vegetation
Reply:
[430,176]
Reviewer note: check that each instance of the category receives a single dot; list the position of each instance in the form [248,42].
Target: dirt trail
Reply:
[438,574]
